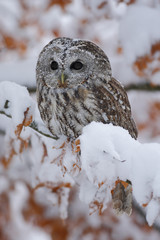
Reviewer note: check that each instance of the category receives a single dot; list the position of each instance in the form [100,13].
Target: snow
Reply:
[23,230]
[108,153]
[19,100]
[21,72]
[12,12]
[134,28]
[143,108]
[3,184]
[145,31]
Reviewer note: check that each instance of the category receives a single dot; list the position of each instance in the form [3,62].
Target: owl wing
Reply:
[114,103]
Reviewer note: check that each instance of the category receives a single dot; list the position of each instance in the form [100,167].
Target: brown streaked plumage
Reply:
[75,87]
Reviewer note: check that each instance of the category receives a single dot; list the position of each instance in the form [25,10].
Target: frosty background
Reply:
[45,193]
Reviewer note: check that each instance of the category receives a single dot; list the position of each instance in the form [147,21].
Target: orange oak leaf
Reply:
[26,122]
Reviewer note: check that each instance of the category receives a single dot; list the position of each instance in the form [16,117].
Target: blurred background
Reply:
[129,33]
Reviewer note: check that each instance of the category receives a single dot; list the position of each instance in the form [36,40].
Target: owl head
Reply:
[66,62]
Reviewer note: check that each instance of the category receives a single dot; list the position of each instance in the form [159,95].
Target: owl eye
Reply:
[76,65]
[54,65]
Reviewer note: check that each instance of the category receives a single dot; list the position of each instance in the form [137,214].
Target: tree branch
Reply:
[139,87]
[34,126]
[140,211]
[31,89]
[142,87]
[4,113]
[2,132]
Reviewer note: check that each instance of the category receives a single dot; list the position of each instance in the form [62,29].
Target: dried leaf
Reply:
[128,2]
[26,122]
[96,206]
[53,186]
[119,50]
[6,161]
[102,4]
[142,66]
[23,144]
[14,44]
[61,3]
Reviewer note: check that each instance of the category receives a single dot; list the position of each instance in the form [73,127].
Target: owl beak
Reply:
[62,78]
[62,82]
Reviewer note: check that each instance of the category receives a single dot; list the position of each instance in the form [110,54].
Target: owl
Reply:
[75,87]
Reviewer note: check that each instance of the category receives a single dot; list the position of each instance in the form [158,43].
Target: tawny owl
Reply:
[75,87]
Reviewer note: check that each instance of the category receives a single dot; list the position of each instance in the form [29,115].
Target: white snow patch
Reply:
[137,31]
[109,153]
[19,100]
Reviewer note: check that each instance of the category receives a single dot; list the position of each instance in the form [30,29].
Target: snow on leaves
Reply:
[37,177]
[16,102]
[104,149]
[100,162]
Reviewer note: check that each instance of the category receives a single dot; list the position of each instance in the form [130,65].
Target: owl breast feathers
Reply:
[75,87]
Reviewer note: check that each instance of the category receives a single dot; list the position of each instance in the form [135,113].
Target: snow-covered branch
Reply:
[15,100]
[108,157]
[34,125]
[43,178]
[109,153]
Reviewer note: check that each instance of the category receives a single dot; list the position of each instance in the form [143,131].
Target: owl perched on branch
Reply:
[75,87]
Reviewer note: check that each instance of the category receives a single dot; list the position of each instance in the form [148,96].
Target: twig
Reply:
[142,87]
[34,126]
[139,87]
[31,89]
[140,211]
[2,132]
[4,113]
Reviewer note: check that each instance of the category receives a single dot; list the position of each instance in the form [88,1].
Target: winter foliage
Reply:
[51,188]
